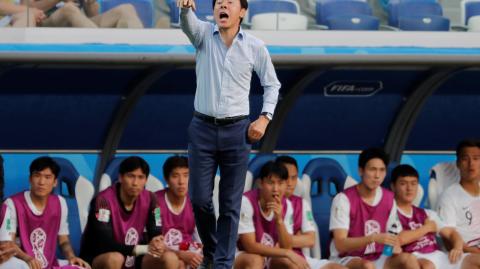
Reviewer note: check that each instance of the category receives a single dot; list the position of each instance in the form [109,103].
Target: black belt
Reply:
[218,121]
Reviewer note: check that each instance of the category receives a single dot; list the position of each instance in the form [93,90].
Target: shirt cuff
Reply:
[269,108]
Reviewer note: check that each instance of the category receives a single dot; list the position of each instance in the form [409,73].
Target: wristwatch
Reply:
[268,115]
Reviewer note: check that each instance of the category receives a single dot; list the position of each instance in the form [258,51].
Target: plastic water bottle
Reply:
[388,249]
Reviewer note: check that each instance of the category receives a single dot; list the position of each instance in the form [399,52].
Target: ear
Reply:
[360,171]
[55,182]
[243,12]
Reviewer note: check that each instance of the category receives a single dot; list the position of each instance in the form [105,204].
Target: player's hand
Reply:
[454,255]
[276,206]
[190,258]
[7,250]
[186,4]
[79,262]
[256,130]
[430,225]
[34,263]
[297,260]
[385,239]
[38,14]
[156,247]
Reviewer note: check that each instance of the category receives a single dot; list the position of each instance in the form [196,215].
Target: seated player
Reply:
[266,224]
[303,222]
[459,204]
[176,217]
[8,249]
[39,218]
[361,216]
[114,235]
[420,227]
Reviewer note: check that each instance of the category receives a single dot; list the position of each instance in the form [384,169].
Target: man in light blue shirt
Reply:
[220,134]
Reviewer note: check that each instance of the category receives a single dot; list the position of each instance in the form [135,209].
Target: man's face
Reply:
[227,13]
[469,163]
[42,182]
[178,181]
[405,189]
[292,179]
[272,187]
[133,182]
[373,173]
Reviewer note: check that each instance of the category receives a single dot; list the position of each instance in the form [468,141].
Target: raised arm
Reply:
[190,24]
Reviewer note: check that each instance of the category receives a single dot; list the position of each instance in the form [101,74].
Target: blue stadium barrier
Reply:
[144,9]
[353,22]
[424,23]
[328,178]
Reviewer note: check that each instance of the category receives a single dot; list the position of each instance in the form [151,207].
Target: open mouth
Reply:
[223,15]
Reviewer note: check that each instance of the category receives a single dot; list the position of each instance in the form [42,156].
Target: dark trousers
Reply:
[227,148]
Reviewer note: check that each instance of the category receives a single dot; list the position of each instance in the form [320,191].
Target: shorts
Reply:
[379,263]
[316,263]
[440,259]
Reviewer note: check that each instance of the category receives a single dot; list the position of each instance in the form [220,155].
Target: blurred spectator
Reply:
[15,15]
[308,8]
[69,13]
[162,13]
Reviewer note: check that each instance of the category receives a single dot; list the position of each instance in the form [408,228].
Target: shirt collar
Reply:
[240,34]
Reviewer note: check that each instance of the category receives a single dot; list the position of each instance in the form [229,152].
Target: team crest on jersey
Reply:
[173,237]
[413,225]
[267,240]
[38,240]
[131,239]
[371,227]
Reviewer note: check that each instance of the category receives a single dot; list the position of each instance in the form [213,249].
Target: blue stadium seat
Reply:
[341,8]
[254,167]
[412,9]
[271,6]
[144,9]
[353,22]
[328,178]
[110,176]
[204,11]
[78,192]
[472,8]
[424,23]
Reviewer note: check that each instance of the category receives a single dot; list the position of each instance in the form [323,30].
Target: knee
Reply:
[170,260]
[407,260]
[333,266]
[471,261]
[126,10]
[367,265]
[111,260]
[70,9]
[427,265]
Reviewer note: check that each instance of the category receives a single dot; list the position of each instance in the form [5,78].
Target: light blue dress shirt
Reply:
[224,74]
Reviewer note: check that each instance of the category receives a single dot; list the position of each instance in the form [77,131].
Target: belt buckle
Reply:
[215,122]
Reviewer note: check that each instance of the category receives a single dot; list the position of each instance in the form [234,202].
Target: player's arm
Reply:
[193,27]
[303,240]
[456,241]
[408,236]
